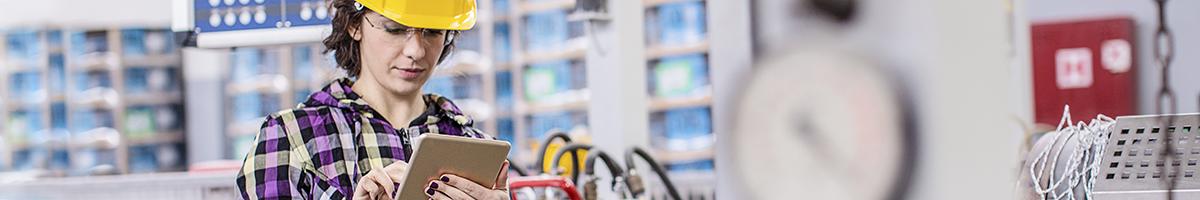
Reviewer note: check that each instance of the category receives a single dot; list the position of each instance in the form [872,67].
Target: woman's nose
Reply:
[413,49]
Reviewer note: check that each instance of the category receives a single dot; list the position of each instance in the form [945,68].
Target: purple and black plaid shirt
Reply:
[320,149]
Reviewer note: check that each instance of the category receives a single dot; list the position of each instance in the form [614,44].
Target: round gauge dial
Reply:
[822,124]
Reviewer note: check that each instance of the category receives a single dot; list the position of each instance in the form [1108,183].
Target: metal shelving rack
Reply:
[114,100]
[656,52]
[283,84]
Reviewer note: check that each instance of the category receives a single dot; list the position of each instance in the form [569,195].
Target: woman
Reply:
[352,138]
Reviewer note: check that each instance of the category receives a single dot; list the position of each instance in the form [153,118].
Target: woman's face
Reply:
[396,57]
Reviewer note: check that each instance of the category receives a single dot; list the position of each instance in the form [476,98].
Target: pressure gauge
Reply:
[822,124]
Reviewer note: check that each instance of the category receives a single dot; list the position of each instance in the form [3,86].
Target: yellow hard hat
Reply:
[431,14]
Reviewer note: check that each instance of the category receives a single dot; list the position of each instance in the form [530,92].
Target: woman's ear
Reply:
[355,31]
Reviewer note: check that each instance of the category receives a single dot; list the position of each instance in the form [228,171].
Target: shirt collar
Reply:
[339,94]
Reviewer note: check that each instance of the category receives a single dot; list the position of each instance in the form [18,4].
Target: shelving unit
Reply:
[683,62]
[82,99]
[263,80]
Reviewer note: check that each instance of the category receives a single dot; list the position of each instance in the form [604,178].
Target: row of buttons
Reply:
[215,3]
[310,9]
[231,16]
[244,18]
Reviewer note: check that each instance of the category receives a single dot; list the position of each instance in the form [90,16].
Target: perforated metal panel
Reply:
[1133,164]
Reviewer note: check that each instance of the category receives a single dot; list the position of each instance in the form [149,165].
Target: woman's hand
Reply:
[380,184]
[453,187]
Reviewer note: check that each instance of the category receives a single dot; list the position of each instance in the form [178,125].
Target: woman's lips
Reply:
[409,73]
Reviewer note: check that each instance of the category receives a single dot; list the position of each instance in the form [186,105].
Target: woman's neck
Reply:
[398,109]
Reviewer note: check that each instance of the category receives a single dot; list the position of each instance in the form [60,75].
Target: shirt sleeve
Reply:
[274,168]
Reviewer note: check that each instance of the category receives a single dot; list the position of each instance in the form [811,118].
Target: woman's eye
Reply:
[432,33]
[395,31]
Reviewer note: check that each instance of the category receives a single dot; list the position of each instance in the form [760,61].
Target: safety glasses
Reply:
[398,33]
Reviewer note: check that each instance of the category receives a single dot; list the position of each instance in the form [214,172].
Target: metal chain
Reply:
[1164,41]
[1164,53]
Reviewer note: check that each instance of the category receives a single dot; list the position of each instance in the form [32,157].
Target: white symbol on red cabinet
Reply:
[1073,68]
[1116,55]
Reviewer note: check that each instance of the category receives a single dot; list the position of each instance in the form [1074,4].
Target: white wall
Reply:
[84,13]
[956,58]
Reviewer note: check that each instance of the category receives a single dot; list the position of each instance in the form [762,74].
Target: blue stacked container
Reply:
[504,91]
[540,124]
[24,46]
[143,159]
[546,31]
[697,165]
[546,79]
[136,82]
[246,64]
[247,106]
[686,126]
[169,117]
[58,73]
[58,119]
[502,43]
[302,63]
[25,86]
[693,68]
[83,43]
[133,43]
[681,22]
[506,130]
[467,87]
[441,85]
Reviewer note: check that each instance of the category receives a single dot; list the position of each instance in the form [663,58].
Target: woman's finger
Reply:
[435,195]
[470,187]
[396,171]
[384,194]
[502,180]
[385,181]
[361,192]
[452,192]
[366,190]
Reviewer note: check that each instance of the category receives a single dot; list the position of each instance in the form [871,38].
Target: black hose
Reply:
[662,174]
[541,163]
[589,165]
[613,168]
[569,148]
[517,168]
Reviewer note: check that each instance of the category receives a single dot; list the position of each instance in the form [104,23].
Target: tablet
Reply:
[479,160]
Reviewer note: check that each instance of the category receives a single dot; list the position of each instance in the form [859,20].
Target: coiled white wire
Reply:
[1083,166]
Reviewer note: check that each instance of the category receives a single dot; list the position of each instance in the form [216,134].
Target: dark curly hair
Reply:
[340,42]
[345,48]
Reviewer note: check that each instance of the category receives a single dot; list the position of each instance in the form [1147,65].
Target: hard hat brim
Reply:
[429,16]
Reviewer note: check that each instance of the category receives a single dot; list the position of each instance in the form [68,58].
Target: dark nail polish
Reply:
[433,185]
[429,192]
[445,179]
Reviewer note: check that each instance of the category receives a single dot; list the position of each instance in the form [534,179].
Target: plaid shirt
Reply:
[320,149]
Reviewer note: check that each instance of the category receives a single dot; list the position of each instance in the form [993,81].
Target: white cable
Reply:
[1082,166]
